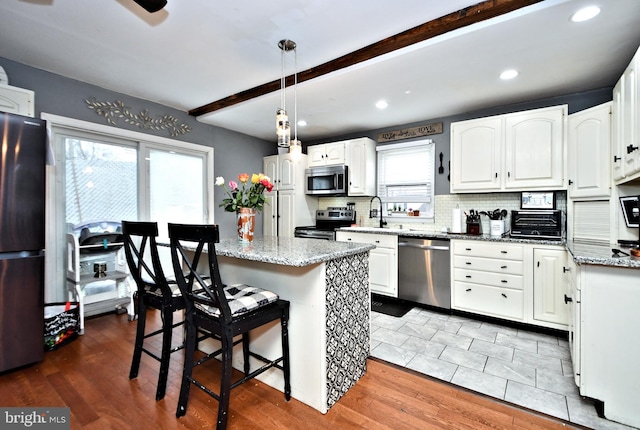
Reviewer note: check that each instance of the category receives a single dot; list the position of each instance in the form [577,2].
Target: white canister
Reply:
[497,227]
[456,221]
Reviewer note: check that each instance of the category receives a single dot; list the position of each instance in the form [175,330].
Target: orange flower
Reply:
[243,177]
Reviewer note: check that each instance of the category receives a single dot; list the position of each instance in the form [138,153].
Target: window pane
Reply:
[176,189]
[100,181]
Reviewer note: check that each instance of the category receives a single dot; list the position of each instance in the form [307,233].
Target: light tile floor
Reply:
[526,368]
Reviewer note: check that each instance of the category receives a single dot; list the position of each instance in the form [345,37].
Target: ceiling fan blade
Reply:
[151,5]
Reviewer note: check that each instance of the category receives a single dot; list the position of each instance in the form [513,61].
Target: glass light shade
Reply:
[283,130]
[295,149]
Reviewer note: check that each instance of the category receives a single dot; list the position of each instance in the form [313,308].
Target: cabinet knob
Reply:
[468,289]
[616,158]
[503,267]
[567,299]
[570,182]
[565,269]
[631,148]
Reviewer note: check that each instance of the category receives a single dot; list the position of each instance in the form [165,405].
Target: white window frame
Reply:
[55,269]
[426,145]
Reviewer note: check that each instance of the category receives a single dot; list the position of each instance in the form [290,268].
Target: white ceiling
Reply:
[195,52]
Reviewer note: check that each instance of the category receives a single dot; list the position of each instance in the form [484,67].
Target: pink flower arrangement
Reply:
[249,194]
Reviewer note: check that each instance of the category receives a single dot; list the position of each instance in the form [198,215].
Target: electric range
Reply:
[327,222]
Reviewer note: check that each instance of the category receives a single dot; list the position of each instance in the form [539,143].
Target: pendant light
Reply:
[283,129]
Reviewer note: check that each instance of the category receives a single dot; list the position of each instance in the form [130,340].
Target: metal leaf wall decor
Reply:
[114,111]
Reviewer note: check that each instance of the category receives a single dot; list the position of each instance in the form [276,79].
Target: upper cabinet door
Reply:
[588,148]
[534,145]
[617,148]
[630,116]
[476,154]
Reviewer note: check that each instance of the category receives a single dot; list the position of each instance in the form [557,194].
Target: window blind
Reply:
[406,172]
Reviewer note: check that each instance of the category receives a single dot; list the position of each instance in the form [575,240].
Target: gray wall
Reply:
[234,152]
[576,102]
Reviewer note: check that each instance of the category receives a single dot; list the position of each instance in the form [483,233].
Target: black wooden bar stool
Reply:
[225,312]
[154,291]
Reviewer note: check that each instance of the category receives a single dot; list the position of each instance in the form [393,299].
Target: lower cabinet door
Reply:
[487,300]
[383,272]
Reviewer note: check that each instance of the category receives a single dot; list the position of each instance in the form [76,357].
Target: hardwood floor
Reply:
[90,375]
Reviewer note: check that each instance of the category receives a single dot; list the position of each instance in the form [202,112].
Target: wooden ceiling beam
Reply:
[482,11]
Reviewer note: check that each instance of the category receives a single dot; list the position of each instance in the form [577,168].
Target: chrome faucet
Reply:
[382,222]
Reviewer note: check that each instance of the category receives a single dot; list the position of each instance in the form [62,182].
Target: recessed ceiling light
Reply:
[508,74]
[302,123]
[585,14]
[408,92]
[381,104]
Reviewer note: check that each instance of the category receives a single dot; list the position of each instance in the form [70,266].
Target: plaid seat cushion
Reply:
[175,290]
[242,298]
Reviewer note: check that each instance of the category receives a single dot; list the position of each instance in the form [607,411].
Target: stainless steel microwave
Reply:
[326,181]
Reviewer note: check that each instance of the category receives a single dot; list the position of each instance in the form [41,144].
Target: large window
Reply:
[107,174]
[405,180]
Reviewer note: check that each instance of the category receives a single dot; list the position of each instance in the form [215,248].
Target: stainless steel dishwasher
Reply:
[424,273]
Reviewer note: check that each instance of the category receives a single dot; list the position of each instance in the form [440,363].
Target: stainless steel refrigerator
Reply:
[23,142]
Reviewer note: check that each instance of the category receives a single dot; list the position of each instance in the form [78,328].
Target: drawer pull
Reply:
[504,281]
[468,263]
[377,241]
[504,295]
[468,289]
[503,252]
[467,249]
[468,276]
[503,267]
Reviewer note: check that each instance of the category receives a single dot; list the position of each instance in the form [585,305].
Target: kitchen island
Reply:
[327,284]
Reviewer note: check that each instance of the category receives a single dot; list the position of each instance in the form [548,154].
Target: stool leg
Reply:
[225,382]
[245,352]
[284,326]
[187,370]
[137,347]
[165,356]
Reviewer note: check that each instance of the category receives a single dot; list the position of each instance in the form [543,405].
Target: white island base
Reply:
[328,324]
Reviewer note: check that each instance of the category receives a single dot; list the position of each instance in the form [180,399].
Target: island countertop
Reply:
[289,251]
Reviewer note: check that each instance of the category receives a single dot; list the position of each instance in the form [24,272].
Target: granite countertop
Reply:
[433,234]
[601,255]
[594,254]
[289,251]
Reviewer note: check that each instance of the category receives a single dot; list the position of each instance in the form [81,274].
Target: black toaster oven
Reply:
[537,224]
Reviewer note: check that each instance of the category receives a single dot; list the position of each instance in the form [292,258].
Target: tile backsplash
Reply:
[444,206]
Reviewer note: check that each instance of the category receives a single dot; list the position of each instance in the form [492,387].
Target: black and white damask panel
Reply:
[347,307]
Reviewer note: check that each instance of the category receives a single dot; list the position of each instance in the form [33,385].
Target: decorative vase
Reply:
[246,224]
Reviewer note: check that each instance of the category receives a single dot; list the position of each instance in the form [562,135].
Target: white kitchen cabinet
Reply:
[488,279]
[285,171]
[16,100]
[589,144]
[573,326]
[626,122]
[534,153]
[617,148]
[513,152]
[326,154]
[361,162]
[359,155]
[287,206]
[383,260]
[476,154]
[550,278]
[608,346]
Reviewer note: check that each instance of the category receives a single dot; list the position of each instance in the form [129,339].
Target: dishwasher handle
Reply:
[427,247]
